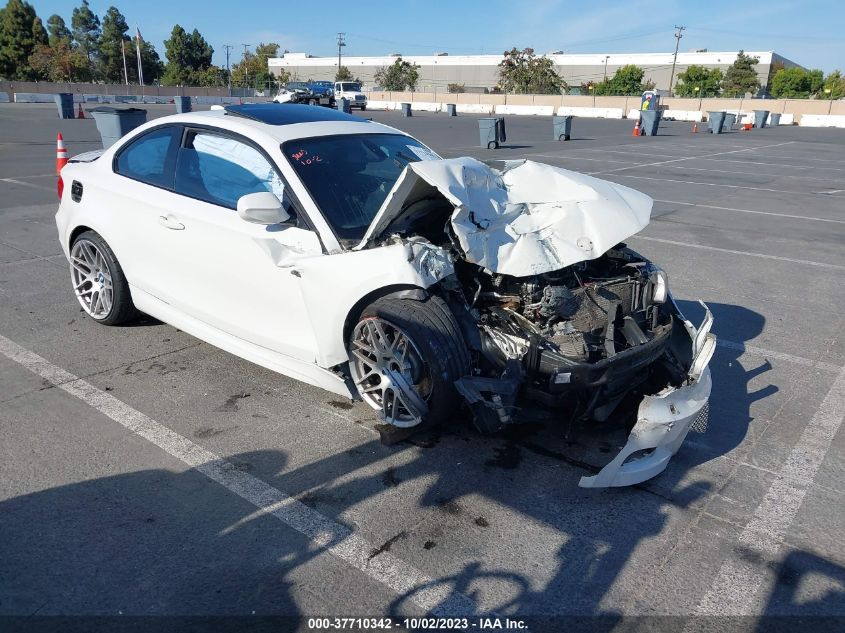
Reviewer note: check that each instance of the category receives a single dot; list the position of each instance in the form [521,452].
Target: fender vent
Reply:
[76,191]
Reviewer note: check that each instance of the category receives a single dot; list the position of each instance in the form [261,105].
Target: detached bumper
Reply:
[663,422]
[664,419]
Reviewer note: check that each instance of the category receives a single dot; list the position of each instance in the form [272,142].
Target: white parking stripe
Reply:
[340,540]
[733,252]
[713,184]
[773,355]
[26,184]
[685,158]
[734,590]
[780,215]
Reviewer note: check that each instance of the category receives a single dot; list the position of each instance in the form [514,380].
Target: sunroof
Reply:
[289,113]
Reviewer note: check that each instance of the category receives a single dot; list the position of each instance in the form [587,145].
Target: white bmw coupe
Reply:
[348,255]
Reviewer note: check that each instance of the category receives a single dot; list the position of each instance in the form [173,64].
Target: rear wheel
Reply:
[98,281]
[363,108]
[312,102]
[404,357]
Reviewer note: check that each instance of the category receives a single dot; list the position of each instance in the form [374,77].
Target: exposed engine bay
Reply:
[555,308]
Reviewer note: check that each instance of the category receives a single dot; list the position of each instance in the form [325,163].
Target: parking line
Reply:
[713,184]
[733,252]
[751,173]
[685,158]
[27,184]
[780,215]
[757,162]
[338,539]
[735,588]
[769,354]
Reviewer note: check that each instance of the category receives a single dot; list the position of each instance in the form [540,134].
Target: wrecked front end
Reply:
[556,310]
[598,340]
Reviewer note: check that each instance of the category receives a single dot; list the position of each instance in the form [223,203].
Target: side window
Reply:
[146,159]
[219,170]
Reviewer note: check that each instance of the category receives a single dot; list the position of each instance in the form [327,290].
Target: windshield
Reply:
[350,87]
[350,176]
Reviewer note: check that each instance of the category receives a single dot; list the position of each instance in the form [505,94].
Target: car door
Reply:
[214,266]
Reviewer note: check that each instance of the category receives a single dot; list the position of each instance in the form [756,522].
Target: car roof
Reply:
[281,121]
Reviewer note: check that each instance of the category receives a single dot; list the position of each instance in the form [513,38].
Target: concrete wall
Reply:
[796,107]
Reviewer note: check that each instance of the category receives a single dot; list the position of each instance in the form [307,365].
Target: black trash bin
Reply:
[491,132]
[113,123]
[774,118]
[760,117]
[183,104]
[716,121]
[561,127]
[649,122]
[451,109]
[406,109]
[64,102]
[345,105]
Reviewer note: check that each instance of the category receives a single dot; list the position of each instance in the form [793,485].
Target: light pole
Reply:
[678,37]
[698,93]
[830,101]
[228,48]
[606,57]
[594,95]
[246,66]
[340,44]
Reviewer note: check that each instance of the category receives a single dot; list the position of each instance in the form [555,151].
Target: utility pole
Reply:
[228,47]
[340,44]
[246,67]
[678,37]
[606,57]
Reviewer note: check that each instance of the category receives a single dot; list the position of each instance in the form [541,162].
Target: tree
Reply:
[20,34]
[456,88]
[523,72]
[113,39]
[344,74]
[741,78]
[85,26]
[188,57]
[253,68]
[796,83]
[707,80]
[627,80]
[60,62]
[57,30]
[833,87]
[400,75]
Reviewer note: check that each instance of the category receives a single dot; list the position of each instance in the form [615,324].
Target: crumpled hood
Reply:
[520,217]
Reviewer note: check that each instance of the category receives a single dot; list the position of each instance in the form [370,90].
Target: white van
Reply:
[350,90]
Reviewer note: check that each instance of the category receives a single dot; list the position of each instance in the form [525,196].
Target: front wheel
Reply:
[98,280]
[363,108]
[404,357]
[312,102]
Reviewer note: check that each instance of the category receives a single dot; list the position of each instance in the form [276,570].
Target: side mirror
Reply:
[262,208]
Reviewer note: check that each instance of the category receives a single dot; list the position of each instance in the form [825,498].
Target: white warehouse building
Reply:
[479,73]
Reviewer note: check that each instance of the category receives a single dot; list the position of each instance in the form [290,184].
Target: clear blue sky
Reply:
[809,33]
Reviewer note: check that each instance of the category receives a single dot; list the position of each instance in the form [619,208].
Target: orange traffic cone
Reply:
[695,128]
[637,128]
[80,114]
[61,153]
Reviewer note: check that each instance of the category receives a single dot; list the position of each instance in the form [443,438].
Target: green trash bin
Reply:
[716,121]
[451,109]
[183,104]
[114,123]
[649,122]
[760,117]
[406,109]
[730,119]
[561,127]
[774,119]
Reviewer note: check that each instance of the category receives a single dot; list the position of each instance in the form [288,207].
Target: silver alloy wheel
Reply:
[91,278]
[389,371]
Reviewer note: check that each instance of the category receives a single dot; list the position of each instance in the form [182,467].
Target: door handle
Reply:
[170,222]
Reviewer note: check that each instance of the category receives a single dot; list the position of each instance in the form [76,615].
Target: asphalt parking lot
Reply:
[234,491]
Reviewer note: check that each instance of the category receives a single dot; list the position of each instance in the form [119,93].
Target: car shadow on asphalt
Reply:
[167,542]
